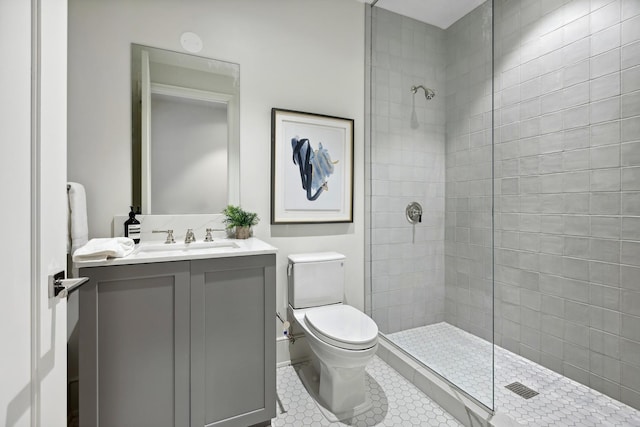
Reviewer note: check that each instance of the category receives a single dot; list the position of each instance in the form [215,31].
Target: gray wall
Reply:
[407,164]
[567,181]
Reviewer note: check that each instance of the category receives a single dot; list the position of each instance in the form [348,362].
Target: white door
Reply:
[33,215]
[15,179]
[50,214]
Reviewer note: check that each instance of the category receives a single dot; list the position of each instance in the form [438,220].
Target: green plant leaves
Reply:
[237,217]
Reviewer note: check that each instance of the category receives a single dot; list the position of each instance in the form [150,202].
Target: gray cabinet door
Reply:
[134,345]
[233,341]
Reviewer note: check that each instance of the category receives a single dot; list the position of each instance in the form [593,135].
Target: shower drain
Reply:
[522,390]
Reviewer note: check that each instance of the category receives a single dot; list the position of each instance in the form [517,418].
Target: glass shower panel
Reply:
[430,284]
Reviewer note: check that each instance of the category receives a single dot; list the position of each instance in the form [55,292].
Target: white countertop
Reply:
[149,252]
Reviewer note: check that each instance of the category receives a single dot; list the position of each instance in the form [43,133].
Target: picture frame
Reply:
[311,168]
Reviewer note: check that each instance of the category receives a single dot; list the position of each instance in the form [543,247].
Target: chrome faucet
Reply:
[189,237]
[170,238]
[208,237]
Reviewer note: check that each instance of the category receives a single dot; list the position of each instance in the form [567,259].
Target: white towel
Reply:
[78,228]
[102,248]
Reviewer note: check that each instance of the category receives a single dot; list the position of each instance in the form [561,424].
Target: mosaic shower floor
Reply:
[466,361]
[396,402]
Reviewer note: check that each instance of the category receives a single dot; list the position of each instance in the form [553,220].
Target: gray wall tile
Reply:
[630,55]
[630,178]
[631,228]
[605,157]
[631,302]
[630,253]
[630,327]
[630,351]
[631,30]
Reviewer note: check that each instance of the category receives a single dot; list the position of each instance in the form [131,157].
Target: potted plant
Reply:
[241,220]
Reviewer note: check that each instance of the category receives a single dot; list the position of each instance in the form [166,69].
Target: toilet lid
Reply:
[343,326]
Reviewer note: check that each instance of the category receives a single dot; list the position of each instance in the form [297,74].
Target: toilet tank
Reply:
[315,279]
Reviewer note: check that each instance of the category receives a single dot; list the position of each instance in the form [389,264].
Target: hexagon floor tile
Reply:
[396,402]
[466,361]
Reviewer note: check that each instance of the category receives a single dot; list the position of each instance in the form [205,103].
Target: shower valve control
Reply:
[414,212]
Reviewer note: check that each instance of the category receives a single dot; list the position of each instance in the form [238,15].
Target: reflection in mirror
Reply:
[185,132]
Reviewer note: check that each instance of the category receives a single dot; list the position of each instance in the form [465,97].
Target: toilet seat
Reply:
[343,326]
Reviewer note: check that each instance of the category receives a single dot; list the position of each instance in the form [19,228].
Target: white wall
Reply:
[305,55]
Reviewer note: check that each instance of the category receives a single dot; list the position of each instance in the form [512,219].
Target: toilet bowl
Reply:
[343,340]
[341,354]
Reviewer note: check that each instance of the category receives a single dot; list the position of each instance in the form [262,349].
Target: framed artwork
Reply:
[311,168]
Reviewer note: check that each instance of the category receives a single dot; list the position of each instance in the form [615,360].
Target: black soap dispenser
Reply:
[132,227]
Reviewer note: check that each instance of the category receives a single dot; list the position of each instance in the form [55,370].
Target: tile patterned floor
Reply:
[396,402]
[458,355]
[462,358]
[465,360]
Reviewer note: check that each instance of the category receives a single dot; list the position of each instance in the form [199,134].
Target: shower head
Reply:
[428,93]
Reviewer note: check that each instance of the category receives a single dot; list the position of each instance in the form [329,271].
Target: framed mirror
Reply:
[185,132]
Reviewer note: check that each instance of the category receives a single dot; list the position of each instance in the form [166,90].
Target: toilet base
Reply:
[346,406]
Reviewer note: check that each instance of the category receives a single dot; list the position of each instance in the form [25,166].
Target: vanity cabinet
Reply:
[182,343]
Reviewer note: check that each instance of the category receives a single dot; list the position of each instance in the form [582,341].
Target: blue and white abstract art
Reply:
[315,166]
[312,162]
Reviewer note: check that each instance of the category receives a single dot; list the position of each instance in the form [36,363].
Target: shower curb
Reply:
[448,396]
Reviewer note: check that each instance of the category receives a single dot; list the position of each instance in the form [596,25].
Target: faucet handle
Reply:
[208,237]
[170,238]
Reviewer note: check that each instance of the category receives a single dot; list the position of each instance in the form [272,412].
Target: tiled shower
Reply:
[536,118]
[407,164]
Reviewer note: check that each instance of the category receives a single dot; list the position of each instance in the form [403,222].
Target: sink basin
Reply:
[187,247]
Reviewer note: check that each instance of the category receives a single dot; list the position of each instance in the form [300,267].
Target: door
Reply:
[49,211]
[33,180]
[15,178]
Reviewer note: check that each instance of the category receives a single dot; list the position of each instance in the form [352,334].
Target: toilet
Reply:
[342,338]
